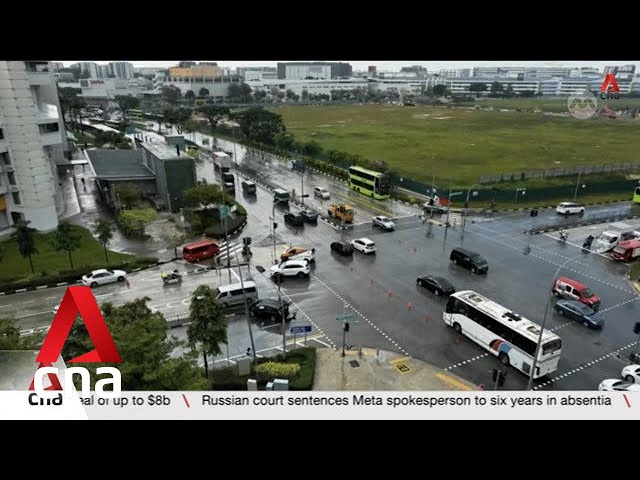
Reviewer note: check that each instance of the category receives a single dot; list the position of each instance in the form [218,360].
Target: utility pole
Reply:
[575,194]
[246,308]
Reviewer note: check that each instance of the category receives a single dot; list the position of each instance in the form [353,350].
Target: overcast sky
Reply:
[396,65]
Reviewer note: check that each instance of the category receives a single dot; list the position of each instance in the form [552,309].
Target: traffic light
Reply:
[636,328]
[246,241]
[275,225]
[346,326]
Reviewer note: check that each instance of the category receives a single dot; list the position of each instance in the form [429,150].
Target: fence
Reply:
[561,172]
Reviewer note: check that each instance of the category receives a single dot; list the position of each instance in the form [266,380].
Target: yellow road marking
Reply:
[453,381]
[399,360]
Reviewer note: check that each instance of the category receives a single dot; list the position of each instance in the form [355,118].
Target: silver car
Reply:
[103,276]
[322,193]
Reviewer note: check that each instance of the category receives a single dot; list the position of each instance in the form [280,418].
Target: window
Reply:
[12,178]
[49,128]
[1,135]
[16,198]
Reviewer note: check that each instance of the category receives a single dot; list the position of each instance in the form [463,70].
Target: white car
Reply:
[383,222]
[631,373]
[569,208]
[103,276]
[617,385]
[321,192]
[291,268]
[364,245]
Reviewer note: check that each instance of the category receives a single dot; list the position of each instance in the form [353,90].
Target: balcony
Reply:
[47,113]
[39,74]
[52,138]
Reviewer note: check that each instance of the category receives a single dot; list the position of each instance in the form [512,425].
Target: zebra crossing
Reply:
[234,248]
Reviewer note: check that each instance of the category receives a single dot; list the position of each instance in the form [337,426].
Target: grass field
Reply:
[51,261]
[548,104]
[461,144]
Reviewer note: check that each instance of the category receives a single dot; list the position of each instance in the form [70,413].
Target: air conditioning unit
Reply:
[13,188]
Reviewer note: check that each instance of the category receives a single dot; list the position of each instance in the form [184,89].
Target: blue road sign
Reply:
[300,329]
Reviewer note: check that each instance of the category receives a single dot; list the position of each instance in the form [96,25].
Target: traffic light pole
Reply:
[345,329]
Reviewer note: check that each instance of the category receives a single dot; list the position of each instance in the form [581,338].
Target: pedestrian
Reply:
[126,282]
[249,352]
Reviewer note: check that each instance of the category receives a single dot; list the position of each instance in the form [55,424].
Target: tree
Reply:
[260,125]
[208,325]
[10,338]
[478,87]
[171,94]
[213,113]
[239,92]
[305,95]
[66,238]
[178,117]
[104,232]
[127,194]
[133,222]
[259,95]
[1,253]
[284,141]
[141,338]
[440,90]
[189,96]
[191,126]
[203,194]
[126,103]
[69,101]
[289,93]
[204,92]
[380,166]
[25,236]
[496,89]
[509,92]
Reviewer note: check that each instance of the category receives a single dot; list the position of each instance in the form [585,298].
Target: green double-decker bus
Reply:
[369,182]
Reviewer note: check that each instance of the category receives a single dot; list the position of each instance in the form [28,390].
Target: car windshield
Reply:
[587,293]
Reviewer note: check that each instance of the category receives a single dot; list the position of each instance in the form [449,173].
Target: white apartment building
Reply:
[32,143]
[122,70]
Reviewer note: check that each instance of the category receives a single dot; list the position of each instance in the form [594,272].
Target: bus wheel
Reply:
[504,359]
[457,328]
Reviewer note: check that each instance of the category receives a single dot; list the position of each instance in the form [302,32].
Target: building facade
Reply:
[123,70]
[32,144]
[313,70]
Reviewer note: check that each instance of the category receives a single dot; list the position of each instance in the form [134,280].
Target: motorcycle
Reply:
[586,246]
[171,278]
[563,236]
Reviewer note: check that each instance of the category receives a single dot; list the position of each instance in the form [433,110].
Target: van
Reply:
[248,187]
[280,195]
[231,295]
[565,287]
[468,259]
[194,252]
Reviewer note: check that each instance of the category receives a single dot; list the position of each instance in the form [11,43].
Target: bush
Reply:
[73,275]
[271,370]
[306,358]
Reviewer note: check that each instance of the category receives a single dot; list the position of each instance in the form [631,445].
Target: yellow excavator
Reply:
[342,212]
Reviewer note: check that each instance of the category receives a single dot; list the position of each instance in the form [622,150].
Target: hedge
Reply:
[73,275]
[269,371]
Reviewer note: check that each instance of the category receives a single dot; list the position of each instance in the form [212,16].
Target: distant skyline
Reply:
[386,65]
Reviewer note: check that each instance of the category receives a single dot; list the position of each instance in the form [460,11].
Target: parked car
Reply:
[617,385]
[271,308]
[293,219]
[383,222]
[579,311]
[322,193]
[309,216]
[299,253]
[102,277]
[342,248]
[631,373]
[364,245]
[437,285]
[291,268]
[570,208]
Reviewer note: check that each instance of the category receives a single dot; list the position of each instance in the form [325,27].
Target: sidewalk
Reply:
[377,370]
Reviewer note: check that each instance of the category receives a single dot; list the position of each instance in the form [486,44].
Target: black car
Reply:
[342,248]
[292,219]
[437,285]
[271,309]
[309,216]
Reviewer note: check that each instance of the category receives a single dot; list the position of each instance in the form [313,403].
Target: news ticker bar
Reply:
[286,405]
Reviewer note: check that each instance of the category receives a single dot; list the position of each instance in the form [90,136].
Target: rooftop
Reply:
[119,165]
[164,151]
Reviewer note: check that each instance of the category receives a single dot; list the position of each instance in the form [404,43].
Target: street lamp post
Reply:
[575,194]
[544,322]
[224,223]
[273,229]
[246,309]
[451,194]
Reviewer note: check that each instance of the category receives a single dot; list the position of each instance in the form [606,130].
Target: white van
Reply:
[231,295]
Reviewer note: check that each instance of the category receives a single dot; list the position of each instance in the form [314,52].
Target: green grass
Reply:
[550,104]
[461,144]
[50,261]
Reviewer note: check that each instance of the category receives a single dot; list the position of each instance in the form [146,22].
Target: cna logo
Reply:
[582,105]
[77,300]
[609,88]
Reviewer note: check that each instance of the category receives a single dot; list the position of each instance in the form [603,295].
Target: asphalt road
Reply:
[380,290]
